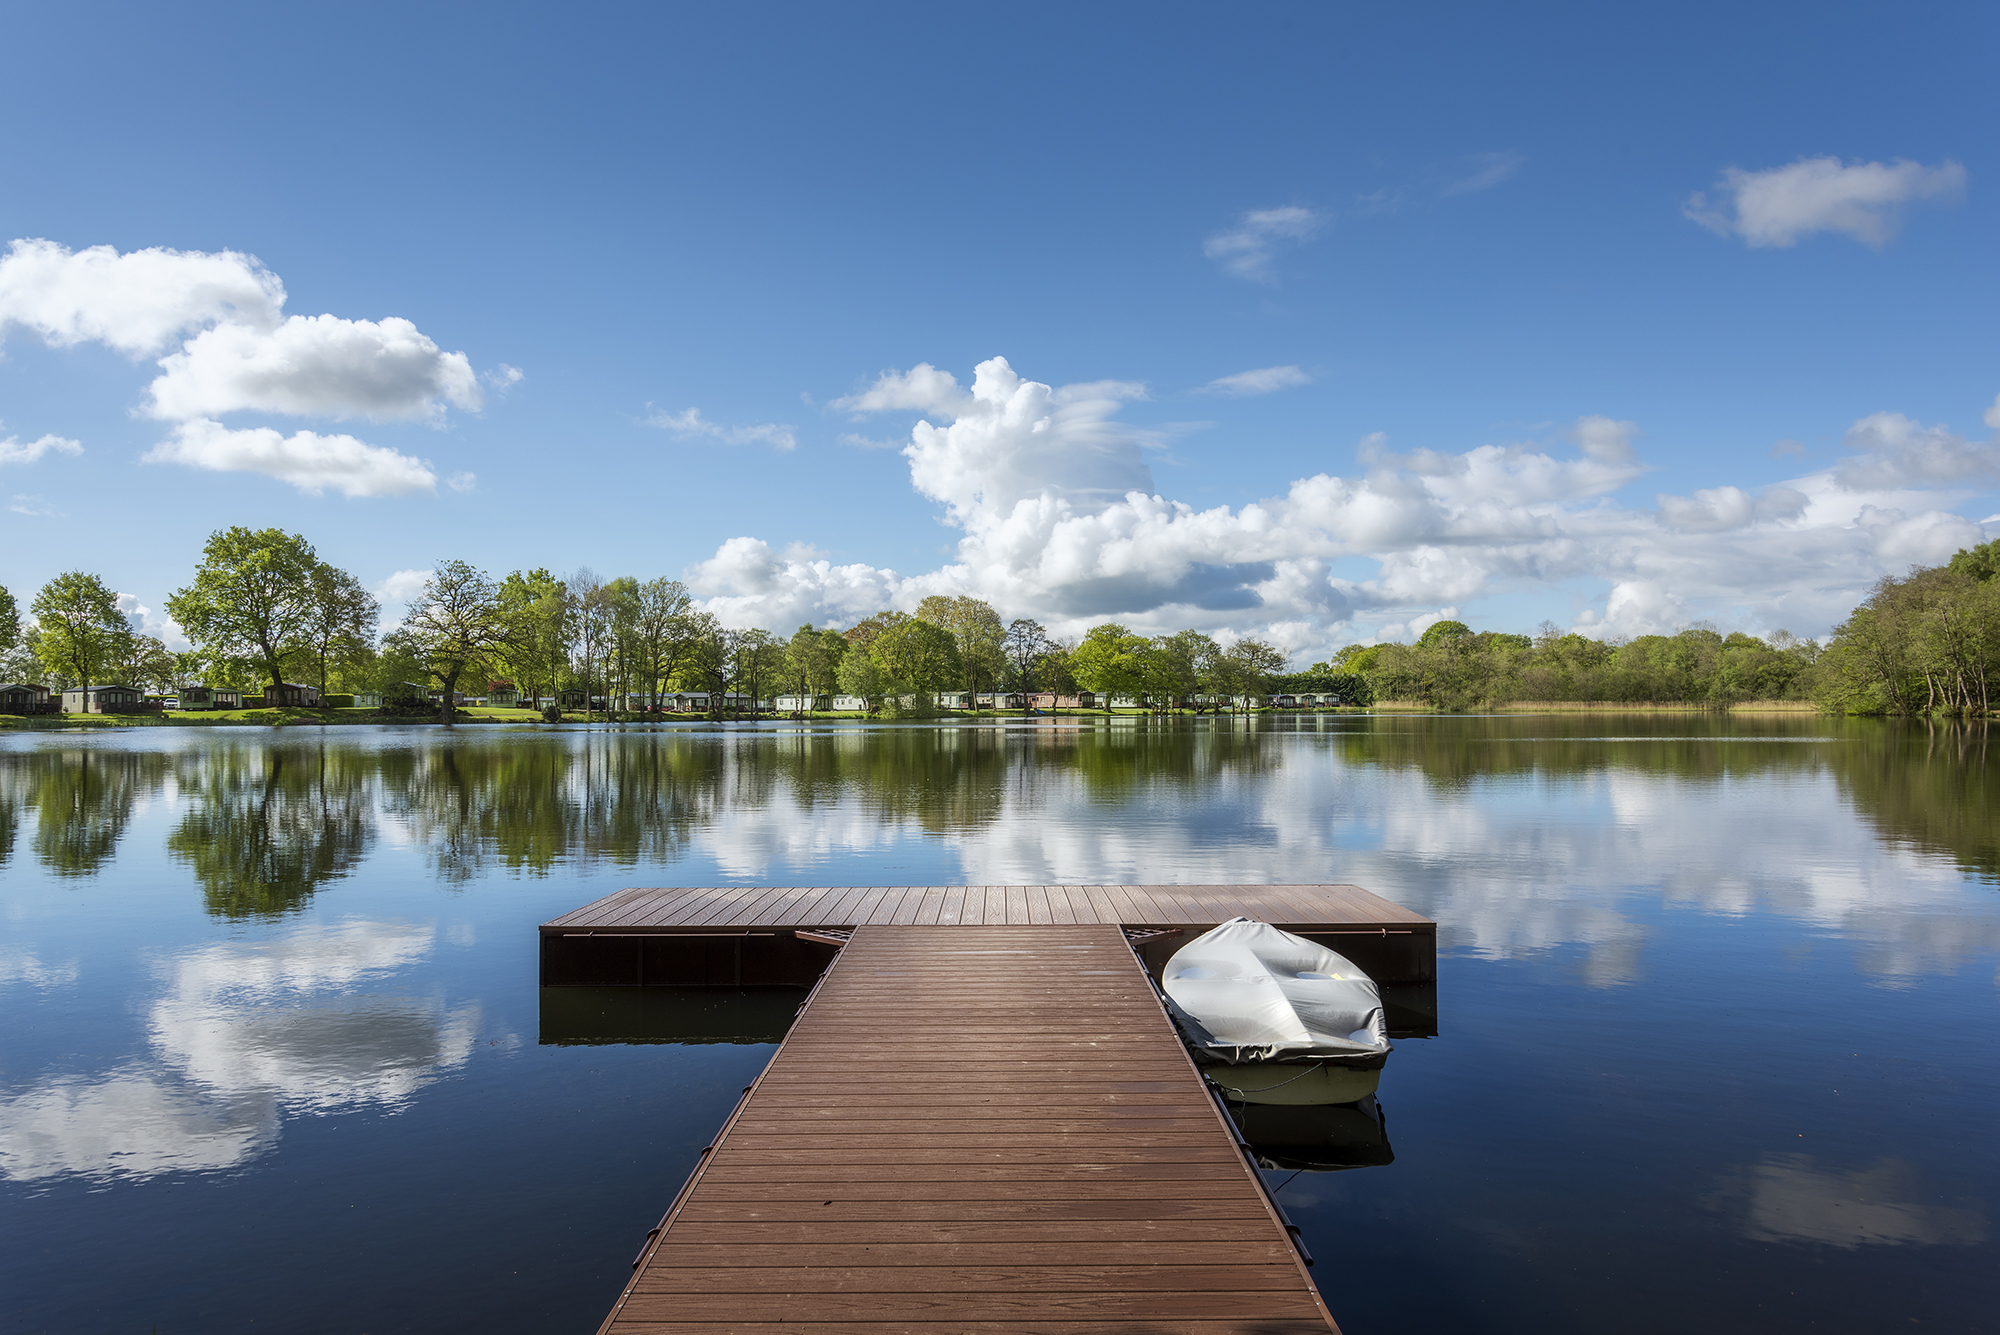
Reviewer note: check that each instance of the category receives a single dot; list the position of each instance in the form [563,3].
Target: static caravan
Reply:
[196,697]
[102,700]
[25,698]
[291,694]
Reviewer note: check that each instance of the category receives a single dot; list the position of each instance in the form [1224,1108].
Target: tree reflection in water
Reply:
[268,825]
[268,821]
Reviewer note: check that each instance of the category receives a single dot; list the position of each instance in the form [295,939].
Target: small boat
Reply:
[1275,1018]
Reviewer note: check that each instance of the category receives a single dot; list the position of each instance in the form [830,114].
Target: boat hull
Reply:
[1293,1082]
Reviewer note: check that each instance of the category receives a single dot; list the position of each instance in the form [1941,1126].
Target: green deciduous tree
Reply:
[918,658]
[976,629]
[812,661]
[536,649]
[1107,662]
[252,597]
[456,624]
[1025,645]
[79,631]
[339,629]
[660,633]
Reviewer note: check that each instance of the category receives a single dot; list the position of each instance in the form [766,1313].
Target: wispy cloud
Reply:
[504,377]
[33,505]
[1261,381]
[1245,250]
[1484,171]
[692,423]
[1864,200]
[13,450]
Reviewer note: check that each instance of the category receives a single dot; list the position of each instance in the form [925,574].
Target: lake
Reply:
[1718,1001]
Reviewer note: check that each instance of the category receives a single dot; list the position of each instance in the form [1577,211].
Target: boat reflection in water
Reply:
[1321,1138]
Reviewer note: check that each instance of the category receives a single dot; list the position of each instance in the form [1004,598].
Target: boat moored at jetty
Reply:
[1275,1018]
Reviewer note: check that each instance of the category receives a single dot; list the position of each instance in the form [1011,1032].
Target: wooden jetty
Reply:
[981,1120]
[750,936]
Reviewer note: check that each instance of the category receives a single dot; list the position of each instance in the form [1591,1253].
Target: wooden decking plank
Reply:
[837,910]
[952,912]
[928,1277]
[1013,1157]
[930,906]
[738,907]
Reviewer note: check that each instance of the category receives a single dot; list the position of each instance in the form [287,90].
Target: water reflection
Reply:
[1521,834]
[241,1033]
[266,826]
[82,799]
[1788,1198]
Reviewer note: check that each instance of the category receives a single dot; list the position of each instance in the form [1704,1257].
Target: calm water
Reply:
[1718,1003]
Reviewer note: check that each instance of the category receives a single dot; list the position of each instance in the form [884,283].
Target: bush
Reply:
[551,714]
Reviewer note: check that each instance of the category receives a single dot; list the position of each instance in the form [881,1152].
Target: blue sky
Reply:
[1495,326]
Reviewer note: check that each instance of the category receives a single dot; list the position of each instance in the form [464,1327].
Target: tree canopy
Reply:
[79,631]
[252,597]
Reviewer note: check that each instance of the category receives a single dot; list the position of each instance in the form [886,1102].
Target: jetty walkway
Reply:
[971,1125]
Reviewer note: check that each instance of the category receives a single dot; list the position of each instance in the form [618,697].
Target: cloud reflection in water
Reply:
[244,1032]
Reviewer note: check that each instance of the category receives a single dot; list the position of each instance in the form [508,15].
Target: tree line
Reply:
[263,609]
[1454,668]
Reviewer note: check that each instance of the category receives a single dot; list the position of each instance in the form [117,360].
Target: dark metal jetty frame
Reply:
[975,1123]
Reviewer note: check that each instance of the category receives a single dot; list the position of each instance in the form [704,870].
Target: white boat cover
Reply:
[1248,992]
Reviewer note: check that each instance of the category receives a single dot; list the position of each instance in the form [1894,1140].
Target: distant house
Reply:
[404,694]
[25,698]
[502,694]
[228,699]
[849,704]
[788,704]
[1081,700]
[367,700]
[102,700]
[196,697]
[291,694]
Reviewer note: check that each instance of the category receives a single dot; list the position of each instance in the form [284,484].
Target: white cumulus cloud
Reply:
[139,302]
[1245,250]
[238,352]
[1059,519]
[692,423]
[309,461]
[1864,200]
[314,366]
[1264,380]
[1894,451]
[13,450]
